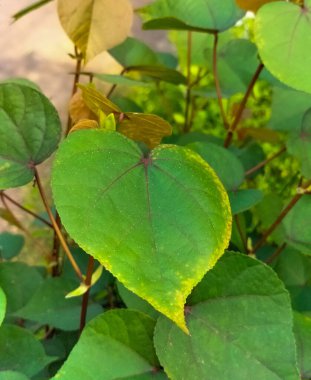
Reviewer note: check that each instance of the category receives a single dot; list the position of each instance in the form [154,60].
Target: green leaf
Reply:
[95,26]
[210,15]
[302,330]
[294,269]
[20,351]
[12,375]
[120,221]
[30,131]
[132,301]
[22,82]
[19,282]
[299,144]
[243,200]
[120,80]
[116,345]
[2,305]
[160,73]
[133,52]
[297,230]
[48,305]
[10,245]
[240,325]
[30,8]
[288,109]
[280,30]
[226,165]
[83,288]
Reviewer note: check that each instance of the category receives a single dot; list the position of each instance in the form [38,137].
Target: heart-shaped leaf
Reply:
[95,26]
[30,131]
[116,345]
[240,324]
[280,30]
[161,219]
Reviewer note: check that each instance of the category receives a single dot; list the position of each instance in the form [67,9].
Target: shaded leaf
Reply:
[20,351]
[240,324]
[207,15]
[116,345]
[243,200]
[12,375]
[48,305]
[226,165]
[120,221]
[95,26]
[297,229]
[30,131]
[160,73]
[10,245]
[19,282]
[299,145]
[281,28]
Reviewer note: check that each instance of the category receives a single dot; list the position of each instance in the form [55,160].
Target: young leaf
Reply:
[126,197]
[149,129]
[299,145]
[30,131]
[252,5]
[78,110]
[238,328]
[280,30]
[83,288]
[21,351]
[2,305]
[95,26]
[117,344]
[208,15]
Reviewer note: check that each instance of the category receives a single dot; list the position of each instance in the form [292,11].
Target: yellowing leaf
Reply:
[83,288]
[78,109]
[252,5]
[95,26]
[149,129]
[107,122]
[97,102]
[84,124]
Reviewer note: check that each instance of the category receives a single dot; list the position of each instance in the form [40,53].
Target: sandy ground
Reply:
[36,47]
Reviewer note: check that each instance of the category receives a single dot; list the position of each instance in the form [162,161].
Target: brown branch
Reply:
[56,227]
[36,216]
[276,253]
[279,219]
[85,299]
[217,83]
[242,106]
[243,238]
[265,162]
